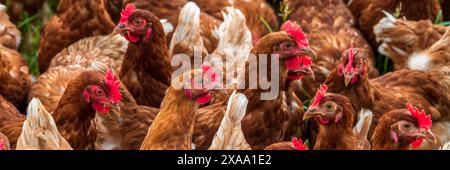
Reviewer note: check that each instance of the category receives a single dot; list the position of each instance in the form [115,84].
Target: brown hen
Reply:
[373,13]
[14,77]
[87,93]
[329,26]
[400,38]
[147,49]
[427,90]
[74,20]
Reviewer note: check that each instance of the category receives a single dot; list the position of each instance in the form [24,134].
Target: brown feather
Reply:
[148,85]
[14,77]
[74,20]
[170,10]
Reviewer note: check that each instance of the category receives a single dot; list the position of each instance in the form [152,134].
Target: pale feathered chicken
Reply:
[400,38]
[39,131]
[50,86]
[109,49]
[229,136]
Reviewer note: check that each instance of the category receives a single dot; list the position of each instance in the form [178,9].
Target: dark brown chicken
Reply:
[147,49]
[74,20]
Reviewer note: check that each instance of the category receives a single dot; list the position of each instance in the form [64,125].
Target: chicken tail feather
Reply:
[229,135]
[39,130]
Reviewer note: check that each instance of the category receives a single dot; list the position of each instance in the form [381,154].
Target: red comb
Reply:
[209,70]
[320,94]
[126,13]
[294,30]
[298,144]
[113,85]
[423,119]
[351,58]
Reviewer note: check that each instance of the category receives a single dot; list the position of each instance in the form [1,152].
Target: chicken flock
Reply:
[107,77]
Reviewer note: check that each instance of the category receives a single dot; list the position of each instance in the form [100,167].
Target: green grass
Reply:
[29,46]
[30,26]
[268,27]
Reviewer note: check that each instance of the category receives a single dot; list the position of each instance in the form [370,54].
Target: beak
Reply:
[310,114]
[120,29]
[309,52]
[115,111]
[429,136]
[347,80]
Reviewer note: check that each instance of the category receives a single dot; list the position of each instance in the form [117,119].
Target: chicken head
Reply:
[105,97]
[352,66]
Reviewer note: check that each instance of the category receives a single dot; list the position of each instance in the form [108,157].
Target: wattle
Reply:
[415,144]
[132,38]
[204,99]
[322,121]
[101,108]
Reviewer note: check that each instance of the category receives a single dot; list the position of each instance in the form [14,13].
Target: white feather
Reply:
[419,61]
[39,131]
[446,146]
[188,28]
[385,23]
[2,8]
[235,44]
[168,27]
[229,136]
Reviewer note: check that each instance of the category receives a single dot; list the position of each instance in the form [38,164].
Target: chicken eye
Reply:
[287,45]
[329,106]
[406,126]
[99,92]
